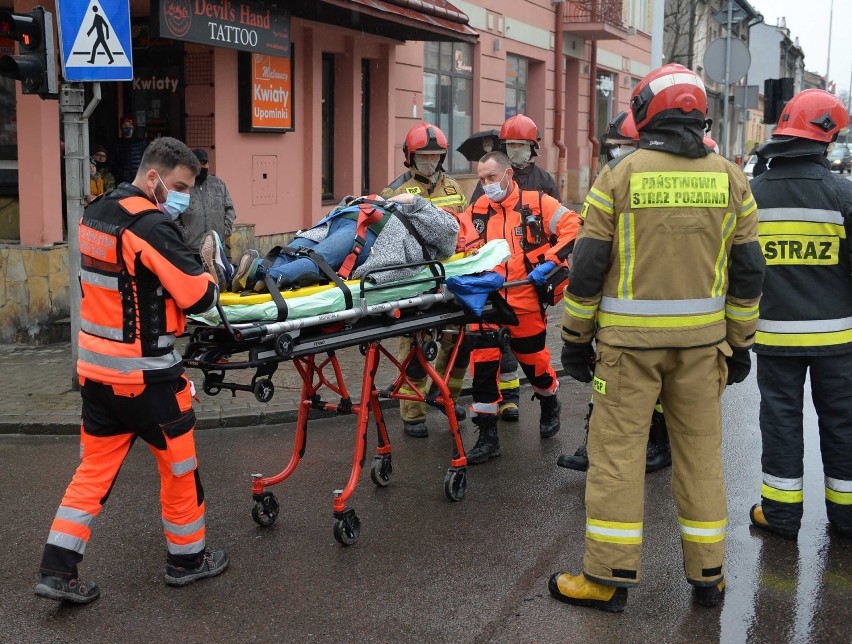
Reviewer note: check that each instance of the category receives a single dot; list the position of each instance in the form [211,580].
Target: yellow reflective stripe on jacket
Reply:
[742,313]
[449,200]
[613,531]
[809,228]
[679,189]
[659,322]
[581,311]
[800,215]
[747,208]
[702,531]
[804,333]
[720,268]
[838,491]
[626,254]
[600,200]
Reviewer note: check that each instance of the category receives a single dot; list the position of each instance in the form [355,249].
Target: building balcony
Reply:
[595,19]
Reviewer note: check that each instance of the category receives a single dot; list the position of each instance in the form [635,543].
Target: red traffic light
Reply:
[23,27]
[35,63]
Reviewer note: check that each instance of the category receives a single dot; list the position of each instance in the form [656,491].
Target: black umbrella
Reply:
[473,147]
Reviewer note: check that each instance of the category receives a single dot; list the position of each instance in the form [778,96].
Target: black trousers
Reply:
[782,382]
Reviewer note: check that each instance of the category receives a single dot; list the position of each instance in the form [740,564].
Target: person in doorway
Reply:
[211,209]
[666,278]
[621,138]
[805,326]
[139,280]
[425,150]
[99,154]
[128,150]
[541,233]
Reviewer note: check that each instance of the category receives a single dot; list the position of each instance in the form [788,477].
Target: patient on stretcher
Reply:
[359,235]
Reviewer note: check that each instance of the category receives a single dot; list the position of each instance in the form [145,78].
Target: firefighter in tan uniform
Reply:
[425,149]
[666,277]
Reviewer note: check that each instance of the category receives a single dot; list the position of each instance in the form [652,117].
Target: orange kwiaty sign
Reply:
[271,84]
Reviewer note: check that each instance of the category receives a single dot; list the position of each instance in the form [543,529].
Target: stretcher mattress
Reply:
[316,300]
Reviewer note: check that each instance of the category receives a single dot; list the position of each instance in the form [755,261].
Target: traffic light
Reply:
[35,64]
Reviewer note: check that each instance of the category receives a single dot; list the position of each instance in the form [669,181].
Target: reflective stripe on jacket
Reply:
[805,223]
[505,220]
[667,256]
[444,193]
[137,278]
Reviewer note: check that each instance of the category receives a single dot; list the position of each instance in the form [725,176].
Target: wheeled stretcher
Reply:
[420,308]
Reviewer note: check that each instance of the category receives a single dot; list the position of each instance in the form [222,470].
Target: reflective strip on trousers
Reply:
[613,531]
[68,541]
[187,548]
[485,409]
[184,466]
[661,307]
[782,490]
[838,491]
[183,530]
[702,531]
[129,365]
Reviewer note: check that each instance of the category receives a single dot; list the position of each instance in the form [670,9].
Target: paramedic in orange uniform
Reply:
[139,279]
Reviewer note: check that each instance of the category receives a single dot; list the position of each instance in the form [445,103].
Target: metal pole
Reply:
[71,107]
[828,58]
[849,95]
[727,83]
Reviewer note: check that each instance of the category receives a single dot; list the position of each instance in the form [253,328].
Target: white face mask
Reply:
[519,156]
[495,191]
[427,166]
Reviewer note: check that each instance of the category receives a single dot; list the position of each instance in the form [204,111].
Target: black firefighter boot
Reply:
[548,422]
[579,460]
[488,444]
[658,453]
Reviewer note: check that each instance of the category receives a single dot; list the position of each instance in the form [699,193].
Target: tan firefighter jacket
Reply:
[444,193]
[667,256]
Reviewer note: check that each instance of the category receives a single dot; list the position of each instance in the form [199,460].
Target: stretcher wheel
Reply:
[265,511]
[430,350]
[284,345]
[455,483]
[381,470]
[347,529]
[263,390]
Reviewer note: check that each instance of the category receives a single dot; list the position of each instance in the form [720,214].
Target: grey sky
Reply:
[809,20]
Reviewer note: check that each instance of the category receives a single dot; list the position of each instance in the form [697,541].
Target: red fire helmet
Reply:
[812,114]
[671,87]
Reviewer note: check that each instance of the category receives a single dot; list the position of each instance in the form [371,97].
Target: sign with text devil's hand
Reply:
[265,93]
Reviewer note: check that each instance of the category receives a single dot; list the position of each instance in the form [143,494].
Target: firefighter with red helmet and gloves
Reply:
[621,138]
[139,279]
[425,149]
[805,325]
[541,233]
[666,277]
[519,139]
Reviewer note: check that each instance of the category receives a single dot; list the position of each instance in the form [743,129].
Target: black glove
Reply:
[739,364]
[578,360]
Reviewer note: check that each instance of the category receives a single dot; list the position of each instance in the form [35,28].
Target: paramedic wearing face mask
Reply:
[425,149]
[139,279]
[541,233]
[519,139]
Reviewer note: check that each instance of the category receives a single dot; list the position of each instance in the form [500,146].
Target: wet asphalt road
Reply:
[424,569]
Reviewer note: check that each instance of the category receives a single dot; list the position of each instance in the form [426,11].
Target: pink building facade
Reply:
[361,76]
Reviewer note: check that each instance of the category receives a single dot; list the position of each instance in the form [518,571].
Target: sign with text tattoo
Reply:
[265,93]
[236,24]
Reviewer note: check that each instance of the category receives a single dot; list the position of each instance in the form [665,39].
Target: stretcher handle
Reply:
[436,267]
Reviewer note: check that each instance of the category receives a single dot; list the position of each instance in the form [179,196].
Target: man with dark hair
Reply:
[128,150]
[139,280]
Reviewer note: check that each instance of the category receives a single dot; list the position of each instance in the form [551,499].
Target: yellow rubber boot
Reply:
[758,520]
[577,590]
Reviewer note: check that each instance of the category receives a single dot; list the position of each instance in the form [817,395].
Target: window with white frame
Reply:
[639,15]
[448,95]
[517,73]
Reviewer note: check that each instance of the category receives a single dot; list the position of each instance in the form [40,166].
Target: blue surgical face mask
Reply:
[495,191]
[175,203]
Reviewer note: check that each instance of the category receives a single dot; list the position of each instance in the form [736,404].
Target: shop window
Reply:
[327,127]
[156,95]
[517,75]
[448,95]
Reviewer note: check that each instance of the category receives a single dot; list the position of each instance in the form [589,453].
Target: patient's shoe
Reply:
[215,259]
[244,276]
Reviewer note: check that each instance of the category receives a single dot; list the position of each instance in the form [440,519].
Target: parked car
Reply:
[748,168]
[840,159]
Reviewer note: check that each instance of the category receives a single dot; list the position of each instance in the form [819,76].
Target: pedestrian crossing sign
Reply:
[94,40]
